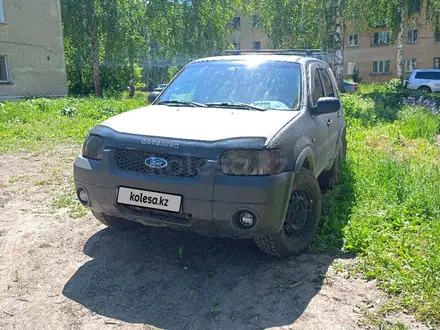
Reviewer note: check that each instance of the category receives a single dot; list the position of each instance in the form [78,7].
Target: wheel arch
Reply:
[305,160]
[424,86]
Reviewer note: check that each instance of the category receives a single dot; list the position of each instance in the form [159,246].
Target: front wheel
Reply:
[301,222]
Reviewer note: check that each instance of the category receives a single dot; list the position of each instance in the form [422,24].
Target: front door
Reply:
[334,121]
[320,129]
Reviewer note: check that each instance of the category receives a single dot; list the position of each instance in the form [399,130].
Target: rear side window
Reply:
[428,75]
[328,87]
[318,90]
[422,75]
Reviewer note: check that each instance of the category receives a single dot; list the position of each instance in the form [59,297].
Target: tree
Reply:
[310,23]
[396,14]
[320,23]
[82,38]
[94,38]
[107,40]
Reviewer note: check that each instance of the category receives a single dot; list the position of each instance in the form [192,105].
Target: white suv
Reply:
[426,80]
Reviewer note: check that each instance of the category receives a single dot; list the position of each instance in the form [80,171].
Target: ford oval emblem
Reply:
[156,162]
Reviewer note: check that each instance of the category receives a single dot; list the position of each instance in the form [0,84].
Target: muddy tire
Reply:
[116,223]
[301,222]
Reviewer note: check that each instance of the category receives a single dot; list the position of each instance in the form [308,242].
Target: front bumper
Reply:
[210,202]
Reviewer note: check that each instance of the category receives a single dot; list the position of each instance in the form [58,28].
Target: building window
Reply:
[257,45]
[381,38]
[353,40]
[410,64]
[236,23]
[413,36]
[4,69]
[2,14]
[437,36]
[436,63]
[351,68]
[381,67]
[255,21]
[236,45]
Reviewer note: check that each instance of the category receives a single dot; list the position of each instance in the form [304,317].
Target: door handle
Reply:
[339,113]
[329,122]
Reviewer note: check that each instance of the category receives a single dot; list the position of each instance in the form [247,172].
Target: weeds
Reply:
[387,208]
[68,200]
[180,253]
[215,310]
[42,183]
[417,122]
[16,277]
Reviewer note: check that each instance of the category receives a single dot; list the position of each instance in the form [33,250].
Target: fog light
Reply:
[246,219]
[83,196]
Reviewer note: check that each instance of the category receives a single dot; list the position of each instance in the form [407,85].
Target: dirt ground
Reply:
[62,273]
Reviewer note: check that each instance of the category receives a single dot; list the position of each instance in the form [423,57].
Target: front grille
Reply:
[161,215]
[130,160]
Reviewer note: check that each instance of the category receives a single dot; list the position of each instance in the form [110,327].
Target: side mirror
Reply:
[153,96]
[327,105]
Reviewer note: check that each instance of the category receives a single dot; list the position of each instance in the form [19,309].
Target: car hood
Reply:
[200,124]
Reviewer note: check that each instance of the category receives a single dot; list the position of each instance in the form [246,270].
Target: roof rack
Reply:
[328,57]
[298,52]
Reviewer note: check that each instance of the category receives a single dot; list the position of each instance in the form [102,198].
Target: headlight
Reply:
[252,162]
[93,147]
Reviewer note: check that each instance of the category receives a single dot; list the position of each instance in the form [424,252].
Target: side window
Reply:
[421,75]
[328,87]
[318,90]
[436,75]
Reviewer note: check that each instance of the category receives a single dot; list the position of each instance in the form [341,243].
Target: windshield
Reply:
[269,85]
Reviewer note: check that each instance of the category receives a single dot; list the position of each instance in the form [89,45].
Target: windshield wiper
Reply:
[237,105]
[186,103]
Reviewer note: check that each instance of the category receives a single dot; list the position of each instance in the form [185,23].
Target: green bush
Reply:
[367,111]
[393,86]
[360,108]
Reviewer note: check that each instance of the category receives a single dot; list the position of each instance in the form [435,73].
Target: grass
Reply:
[31,123]
[377,320]
[386,208]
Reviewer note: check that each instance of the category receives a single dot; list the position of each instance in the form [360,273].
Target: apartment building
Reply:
[32,59]
[375,58]
[247,33]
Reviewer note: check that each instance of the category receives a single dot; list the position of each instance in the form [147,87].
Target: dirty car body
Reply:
[219,150]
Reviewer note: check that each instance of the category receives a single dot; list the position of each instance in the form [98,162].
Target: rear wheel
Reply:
[301,222]
[116,222]
[425,89]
